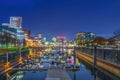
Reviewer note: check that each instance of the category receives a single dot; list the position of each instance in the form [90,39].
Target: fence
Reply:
[109,55]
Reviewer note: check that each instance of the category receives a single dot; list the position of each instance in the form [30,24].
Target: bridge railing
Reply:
[12,58]
[109,55]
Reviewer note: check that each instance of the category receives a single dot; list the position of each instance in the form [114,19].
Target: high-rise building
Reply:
[8,37]
[44,39]
[54,39]
[89,37]
[27,32]
[83,37]
[80,38]
[16,22]
[39,36]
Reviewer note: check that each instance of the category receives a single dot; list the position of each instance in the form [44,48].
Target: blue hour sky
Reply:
[64,17]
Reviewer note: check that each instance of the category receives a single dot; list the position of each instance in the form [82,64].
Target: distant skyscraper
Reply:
[39,36]
[54,39]
[89,37]
[44,39]
[16,22]
[80,38]
[84,37]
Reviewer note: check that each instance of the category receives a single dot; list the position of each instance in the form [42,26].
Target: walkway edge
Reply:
[100,63]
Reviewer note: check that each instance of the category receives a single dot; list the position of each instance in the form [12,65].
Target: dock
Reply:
[36,69]
[57,74]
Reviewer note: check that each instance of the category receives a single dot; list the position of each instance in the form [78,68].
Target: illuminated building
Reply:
[8,37]
[54,39]
[89,37]
[30,41]
[20,37]
[5,24]
[61,42]
[39,38]
[80,38]
[16,22]
[39,35]
[28,38]
[83,37]
[44,39]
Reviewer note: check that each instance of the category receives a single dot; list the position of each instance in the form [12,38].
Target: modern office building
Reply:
[28,38]
[54,39]
[89,37]
[83,37]
[8,37]
[16,22]
[44,39]
[20,37]
[39,38]
[27,33]
[80,38]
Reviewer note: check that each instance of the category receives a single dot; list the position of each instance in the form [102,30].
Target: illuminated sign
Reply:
[61,37]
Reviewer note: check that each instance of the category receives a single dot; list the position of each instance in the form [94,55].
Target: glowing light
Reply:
[61,37]
[20,60]
[7,65]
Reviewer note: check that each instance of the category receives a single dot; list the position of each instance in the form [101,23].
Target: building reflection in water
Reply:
[74,75]
[17,76]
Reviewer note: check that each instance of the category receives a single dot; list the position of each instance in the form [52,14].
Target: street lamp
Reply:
[7,62]
[95,54]
[20,59]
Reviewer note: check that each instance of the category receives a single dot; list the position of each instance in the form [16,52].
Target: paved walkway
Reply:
[57,74]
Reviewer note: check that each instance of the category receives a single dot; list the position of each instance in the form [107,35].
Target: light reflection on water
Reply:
[86,72]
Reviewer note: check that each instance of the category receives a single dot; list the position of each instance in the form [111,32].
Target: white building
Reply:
[16,22]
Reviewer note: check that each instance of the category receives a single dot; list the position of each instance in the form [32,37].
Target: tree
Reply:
[111,41]
[99,40]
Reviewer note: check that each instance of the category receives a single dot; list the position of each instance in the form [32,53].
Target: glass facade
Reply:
[89,37]
[8,37]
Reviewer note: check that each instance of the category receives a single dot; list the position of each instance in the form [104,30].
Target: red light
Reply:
[60,37]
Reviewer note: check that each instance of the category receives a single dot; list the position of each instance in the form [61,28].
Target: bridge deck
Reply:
[57,74]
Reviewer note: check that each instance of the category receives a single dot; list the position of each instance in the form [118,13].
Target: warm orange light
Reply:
[7,65]
[7,74]
[20,60]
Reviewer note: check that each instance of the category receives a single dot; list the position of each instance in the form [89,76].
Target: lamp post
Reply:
[7,60]
[74,75]
[95,55]
[74,56]
[20,59]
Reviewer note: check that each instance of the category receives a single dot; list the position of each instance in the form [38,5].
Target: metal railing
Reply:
[109,55]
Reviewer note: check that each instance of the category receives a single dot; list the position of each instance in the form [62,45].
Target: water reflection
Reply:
[86,72]
[13,75]
[74,75]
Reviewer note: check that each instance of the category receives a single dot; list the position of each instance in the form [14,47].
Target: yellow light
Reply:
[7,74]
[20,60]
[7,65]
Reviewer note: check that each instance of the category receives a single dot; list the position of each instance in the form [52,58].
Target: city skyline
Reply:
[64,17]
